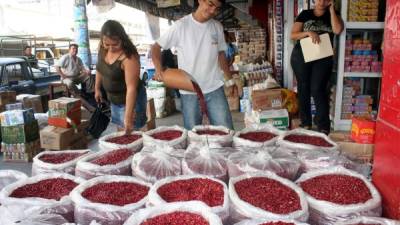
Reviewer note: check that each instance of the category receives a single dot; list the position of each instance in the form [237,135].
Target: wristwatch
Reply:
[229,83]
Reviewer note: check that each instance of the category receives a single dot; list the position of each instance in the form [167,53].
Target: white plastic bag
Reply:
[154,163]
[242,142]
[12,215]
[40,167]
[87,170]
[10,176]
[86,210]
[297,147]
[106,146]
[222,210]
[61,207]
[262,221]
[178,143]
[271,159]
[369,220]
[201,159]
[195,207]
[241,209]
[328,213]
[222,140]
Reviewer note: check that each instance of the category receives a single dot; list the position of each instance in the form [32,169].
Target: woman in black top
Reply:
[312,77]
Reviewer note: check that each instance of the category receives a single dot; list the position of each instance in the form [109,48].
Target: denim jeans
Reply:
[118,111]
[312,80]
[217,106]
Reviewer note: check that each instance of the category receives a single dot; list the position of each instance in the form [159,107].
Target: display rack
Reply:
[338,122]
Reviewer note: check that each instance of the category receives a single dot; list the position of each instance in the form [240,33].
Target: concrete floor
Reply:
[174,119]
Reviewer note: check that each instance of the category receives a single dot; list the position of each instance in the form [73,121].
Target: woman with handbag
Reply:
[118,70]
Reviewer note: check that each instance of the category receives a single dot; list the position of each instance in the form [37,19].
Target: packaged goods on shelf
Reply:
[360,57]
[363,11]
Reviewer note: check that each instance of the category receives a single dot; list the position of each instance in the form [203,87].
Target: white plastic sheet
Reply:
[40,167]
[87,170]
[200,159]
[271,159]
[222,140]
[178,143]
[61,207]
[241,210]
[369,220]
[106,146]
[10,176]
[154,163]
[86,210]
[328,213]
[12,215]
[155,199]
[192,207]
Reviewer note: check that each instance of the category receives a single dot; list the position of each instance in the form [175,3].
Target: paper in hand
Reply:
[312,52]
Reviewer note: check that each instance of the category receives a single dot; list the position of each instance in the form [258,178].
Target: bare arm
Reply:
[336,21]
[58,69]
[97,87]
[131,67]
[297,32]
[223,63]
[156,57]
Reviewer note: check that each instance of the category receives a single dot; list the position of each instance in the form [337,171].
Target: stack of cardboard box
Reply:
[31,101]
[7,97]
[20,135]
[65,130]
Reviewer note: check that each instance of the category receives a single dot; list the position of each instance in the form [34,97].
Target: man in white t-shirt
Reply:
[199,41]
[73,72]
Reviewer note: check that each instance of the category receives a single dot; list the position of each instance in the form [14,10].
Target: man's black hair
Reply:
[73,45]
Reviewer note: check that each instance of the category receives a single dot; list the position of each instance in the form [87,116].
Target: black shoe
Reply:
[307,127]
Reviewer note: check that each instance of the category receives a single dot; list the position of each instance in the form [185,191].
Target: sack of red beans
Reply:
[270,222]
[210,134]
[256,137]
[57,161]
[194,212]
[369,221]
[154,163]
[312,160]
[11,215]
[272,159]
[201,159]
[300,139]
[10,176]
[173,136]
[113,162]
[47,192]
[338,194]
[109,199]
[116,140]
[210,191]
[266,195]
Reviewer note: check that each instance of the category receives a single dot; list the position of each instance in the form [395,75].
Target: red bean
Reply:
[176,218]
[205,190]
[277,223]
[116,193]
[339,189]
[60,158]
[54,188]
[113,157]
[268,194]
[167,135]
[124,139]
[210,132]
[257,136]
[307,139]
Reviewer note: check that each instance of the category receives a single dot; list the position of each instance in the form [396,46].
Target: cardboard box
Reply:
[17,117]
[58,138]
[32,146]
[234,103]
[277,118]
[31,101]
[14,106]
[64,111]
[21,152]
[150,109]
[22,133]
[267,99]
[7,97]
[363,152]
[363,130]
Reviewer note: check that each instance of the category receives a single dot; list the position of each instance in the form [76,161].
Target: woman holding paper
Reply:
[313,76]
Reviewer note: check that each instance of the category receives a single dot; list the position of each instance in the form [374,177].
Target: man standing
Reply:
[200,43]
[73,72]
[31,57]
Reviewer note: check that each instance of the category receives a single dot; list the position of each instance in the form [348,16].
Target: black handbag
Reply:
[98,122]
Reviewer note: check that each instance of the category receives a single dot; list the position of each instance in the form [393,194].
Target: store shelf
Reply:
[362,74]
[365,25]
